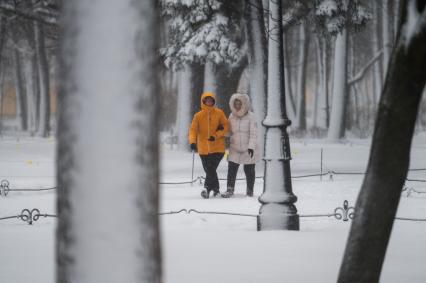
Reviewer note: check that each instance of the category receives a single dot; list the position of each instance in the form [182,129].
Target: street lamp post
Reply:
[277,211]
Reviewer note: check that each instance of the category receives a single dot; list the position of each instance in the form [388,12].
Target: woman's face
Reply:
[209,101]
[237,104]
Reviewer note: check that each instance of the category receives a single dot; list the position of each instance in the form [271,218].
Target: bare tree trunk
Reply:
[397,16]
[290,103]
[107,139]
[304,38]
[43,103]
[210,78]
[320,116]
[257,60]
[21,97]
[228,79]
[351,107]
[319,79]
[336,130]
[378,72]
[27,42]
[197,86]
[390,152]
[386,33]
[326,64]
[2,72]
[183,112]
[356,107]
[2,75]
[368,108]
[30,74]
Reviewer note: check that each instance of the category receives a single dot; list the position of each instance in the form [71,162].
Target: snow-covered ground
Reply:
[221,248]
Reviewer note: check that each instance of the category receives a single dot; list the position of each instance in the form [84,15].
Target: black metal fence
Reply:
[343,213]
[5,184]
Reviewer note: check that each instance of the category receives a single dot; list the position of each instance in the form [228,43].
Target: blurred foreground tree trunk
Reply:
[390,152]
[107,155]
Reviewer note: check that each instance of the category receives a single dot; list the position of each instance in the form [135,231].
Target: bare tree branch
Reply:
[362,72]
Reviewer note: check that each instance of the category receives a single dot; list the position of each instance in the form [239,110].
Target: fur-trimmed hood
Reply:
[245,101]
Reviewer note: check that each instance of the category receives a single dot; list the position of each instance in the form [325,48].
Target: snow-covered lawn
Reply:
[221,248]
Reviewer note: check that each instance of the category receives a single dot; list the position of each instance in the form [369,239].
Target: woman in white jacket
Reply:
[244,147]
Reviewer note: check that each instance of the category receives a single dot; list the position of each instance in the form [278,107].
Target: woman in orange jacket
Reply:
[207,135]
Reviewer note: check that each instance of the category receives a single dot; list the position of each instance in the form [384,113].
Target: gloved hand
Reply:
[220,128]
[250,152]
[211,138]
[194,146]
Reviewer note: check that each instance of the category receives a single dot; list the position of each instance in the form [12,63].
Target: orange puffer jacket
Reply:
[205,124]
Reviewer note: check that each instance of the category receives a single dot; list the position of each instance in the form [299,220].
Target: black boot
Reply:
[250,176]
[229,193]
[205,193]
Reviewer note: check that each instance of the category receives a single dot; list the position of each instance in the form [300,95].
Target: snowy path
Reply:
[218,248]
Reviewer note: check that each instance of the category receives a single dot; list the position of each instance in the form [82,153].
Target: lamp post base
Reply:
[278,222]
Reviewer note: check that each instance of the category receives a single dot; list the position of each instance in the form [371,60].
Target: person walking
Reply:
[244,148]
[207,136]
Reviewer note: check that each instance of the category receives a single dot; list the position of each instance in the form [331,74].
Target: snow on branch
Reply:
[332,16]
[327,17]
[295,14]
[416,21]
[201,31]
[43,15]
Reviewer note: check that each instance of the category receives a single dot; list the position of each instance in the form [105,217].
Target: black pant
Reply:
[248,170]
[210,163]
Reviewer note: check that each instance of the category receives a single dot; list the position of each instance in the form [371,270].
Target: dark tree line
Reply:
[28,43]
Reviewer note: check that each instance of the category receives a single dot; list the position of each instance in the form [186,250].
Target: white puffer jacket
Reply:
[242,131]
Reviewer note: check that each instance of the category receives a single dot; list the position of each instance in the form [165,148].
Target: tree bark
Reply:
[21,97]
[290,103]
[228,79]
[257,60]
[30,74]
[390,152]
[304,38]
[210,78]
[326,64]
[43,103]
[27,42]
[336,130]
[183,112]
[107,140]
[351,110]
[378,71]
[386,33]
[197,86]
[396,14]
[319,80]
[2,73]
[320,116]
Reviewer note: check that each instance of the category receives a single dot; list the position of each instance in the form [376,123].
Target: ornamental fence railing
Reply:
[5,184]
[343,213]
